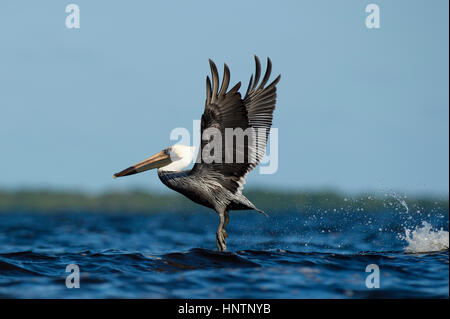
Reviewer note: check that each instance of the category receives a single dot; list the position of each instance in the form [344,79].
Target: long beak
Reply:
[158,160]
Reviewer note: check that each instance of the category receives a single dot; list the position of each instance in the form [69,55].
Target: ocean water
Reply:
[173,255]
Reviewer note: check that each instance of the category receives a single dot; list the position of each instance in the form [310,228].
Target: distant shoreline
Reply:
[143,201]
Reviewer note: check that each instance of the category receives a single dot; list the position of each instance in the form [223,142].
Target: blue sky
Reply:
[358,109]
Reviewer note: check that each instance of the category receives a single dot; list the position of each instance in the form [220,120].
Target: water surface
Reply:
[173,255]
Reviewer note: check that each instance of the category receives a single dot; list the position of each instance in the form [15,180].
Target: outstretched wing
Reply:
[229,161]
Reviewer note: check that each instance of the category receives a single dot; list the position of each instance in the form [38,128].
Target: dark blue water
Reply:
[170,255]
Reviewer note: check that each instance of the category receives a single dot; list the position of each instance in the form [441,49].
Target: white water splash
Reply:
[426,239]
[401,201]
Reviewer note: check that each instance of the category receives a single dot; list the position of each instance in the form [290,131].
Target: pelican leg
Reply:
[227,219]
[220,239]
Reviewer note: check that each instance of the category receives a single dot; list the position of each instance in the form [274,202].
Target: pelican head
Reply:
[174,158]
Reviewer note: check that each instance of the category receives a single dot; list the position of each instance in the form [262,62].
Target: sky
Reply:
[358,109]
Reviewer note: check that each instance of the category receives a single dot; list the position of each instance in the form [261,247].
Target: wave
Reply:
[15,269]
[426,239]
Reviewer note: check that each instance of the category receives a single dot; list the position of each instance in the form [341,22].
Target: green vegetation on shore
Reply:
[138,201]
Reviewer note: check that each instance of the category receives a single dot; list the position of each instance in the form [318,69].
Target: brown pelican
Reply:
[218,183]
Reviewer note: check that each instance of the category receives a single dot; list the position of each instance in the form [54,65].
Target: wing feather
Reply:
[228,110]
